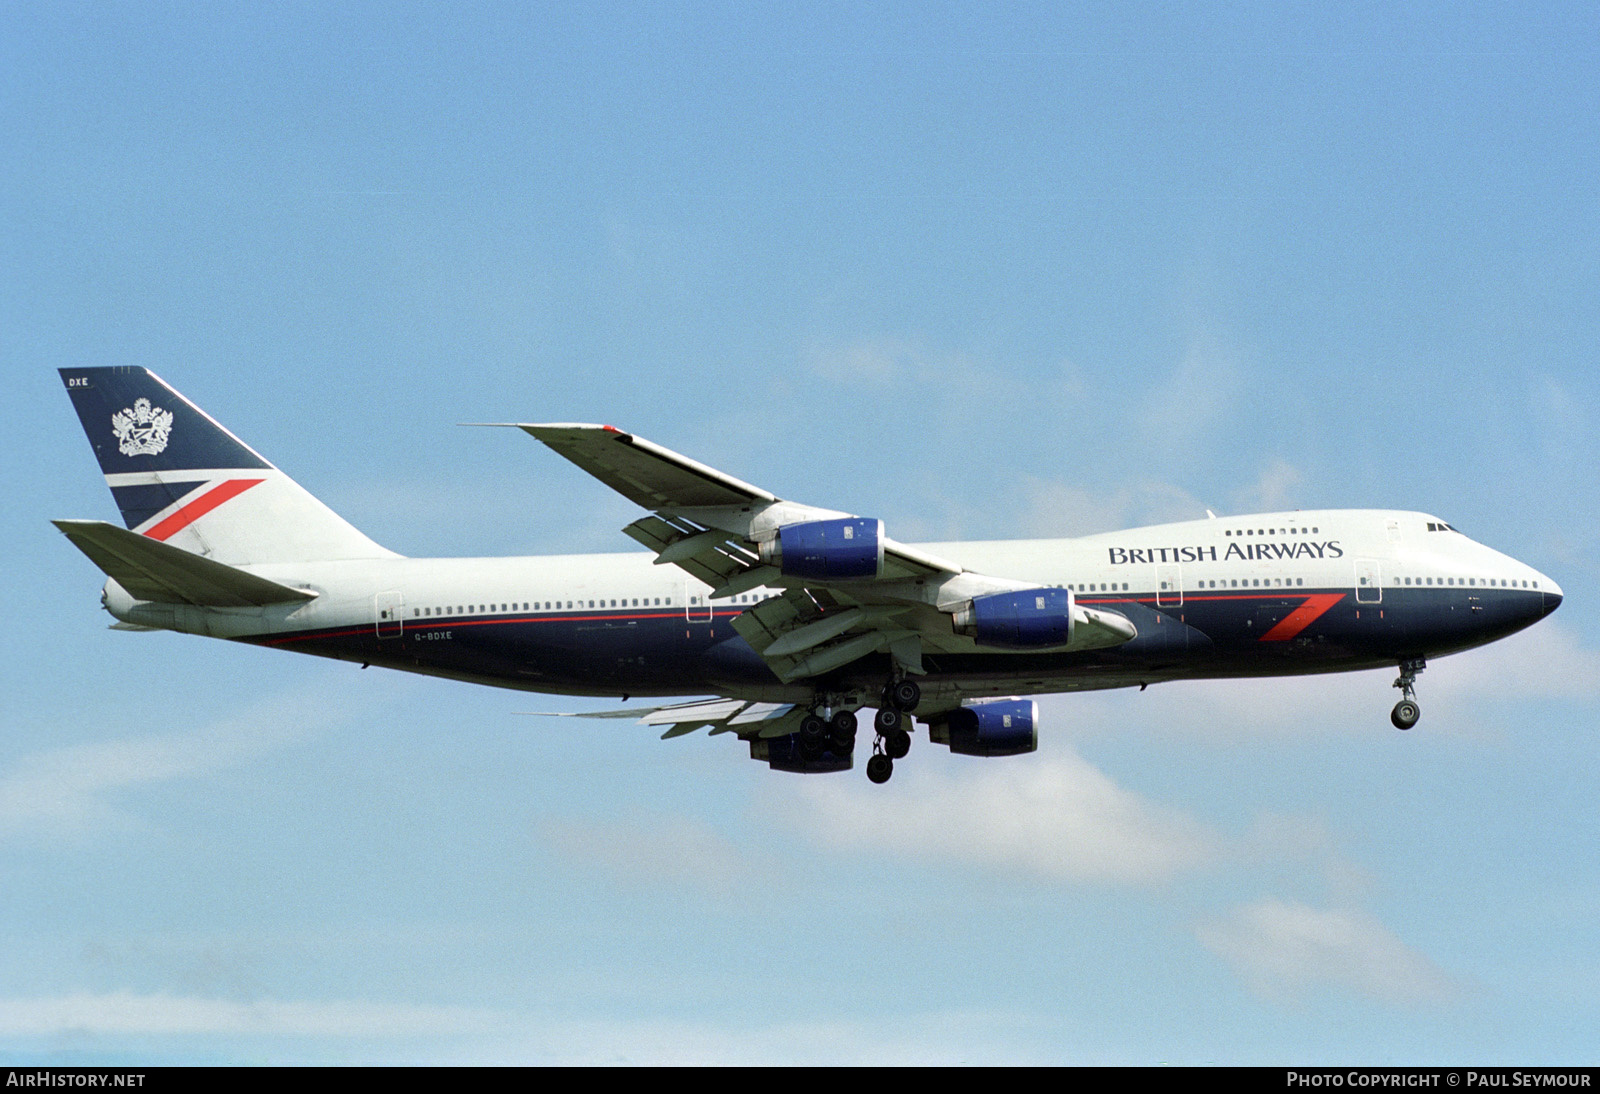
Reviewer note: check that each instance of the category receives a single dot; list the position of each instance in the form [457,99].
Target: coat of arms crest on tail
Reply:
[141,429]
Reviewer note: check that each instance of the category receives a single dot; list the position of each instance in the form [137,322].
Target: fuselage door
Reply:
[389,610]
[1369,582]
[1169,586]
[696,605]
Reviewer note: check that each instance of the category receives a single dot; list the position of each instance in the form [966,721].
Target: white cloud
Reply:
[72,791]
[869,362]
[488,1035]
[1194,397]
[1563,420]
[1273,490]
[1275,840]
[1284,950]
[1053,508]
[651,849]
[1059,818]
[121,1013]
[941,1037]
[1545,661]
[1237,710]
[948,383]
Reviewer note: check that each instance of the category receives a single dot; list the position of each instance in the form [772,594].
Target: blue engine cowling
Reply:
[784,754]
[1030,619]
[1007,727]
[844,549]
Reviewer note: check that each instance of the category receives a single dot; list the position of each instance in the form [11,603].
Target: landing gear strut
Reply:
[1406,711]
[889,746]
[900,697]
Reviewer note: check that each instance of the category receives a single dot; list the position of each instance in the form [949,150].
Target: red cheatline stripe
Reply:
[200,506]
[434,622]
[1302,617]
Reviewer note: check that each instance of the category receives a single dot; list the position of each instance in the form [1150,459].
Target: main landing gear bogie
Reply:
[818,734]
[893,742]
[821,732]
[1407,711]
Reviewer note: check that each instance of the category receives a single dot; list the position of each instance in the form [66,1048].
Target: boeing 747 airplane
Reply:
[791,618]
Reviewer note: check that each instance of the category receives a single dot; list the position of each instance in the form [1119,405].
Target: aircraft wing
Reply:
[849,590]
[747,719]
[645,473]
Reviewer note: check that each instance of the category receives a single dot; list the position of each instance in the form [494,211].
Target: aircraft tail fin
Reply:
[181,479]
[151,570]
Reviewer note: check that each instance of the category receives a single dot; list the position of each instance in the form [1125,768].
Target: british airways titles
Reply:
[1246,552]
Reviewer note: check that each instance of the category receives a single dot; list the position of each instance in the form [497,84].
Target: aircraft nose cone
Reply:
[1549,595]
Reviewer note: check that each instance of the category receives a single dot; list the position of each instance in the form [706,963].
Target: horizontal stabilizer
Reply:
[151,570]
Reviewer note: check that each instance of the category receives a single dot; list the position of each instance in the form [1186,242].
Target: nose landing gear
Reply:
[1406,711]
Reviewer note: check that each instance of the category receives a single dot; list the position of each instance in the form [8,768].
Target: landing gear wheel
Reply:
[813,736]
[879,768]
[1406,711]
[897,744]
[887,720]
[904,695]
[842,730]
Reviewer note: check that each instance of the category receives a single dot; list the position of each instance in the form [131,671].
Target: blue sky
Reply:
[983,271]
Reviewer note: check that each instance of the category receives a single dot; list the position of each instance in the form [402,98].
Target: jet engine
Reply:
[844,549]
[1005,727]
[1028,619]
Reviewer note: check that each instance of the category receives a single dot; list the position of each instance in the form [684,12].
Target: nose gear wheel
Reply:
[1407,711]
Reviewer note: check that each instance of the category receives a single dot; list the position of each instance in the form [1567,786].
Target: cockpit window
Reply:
[1440,526]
